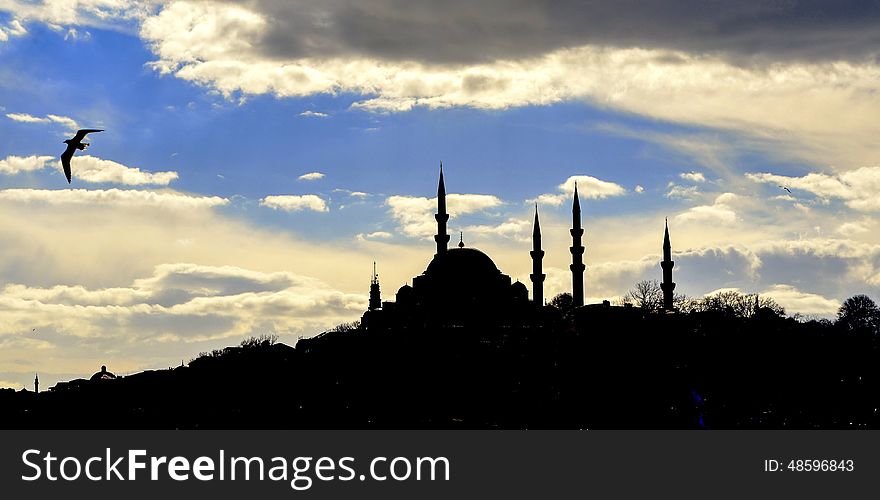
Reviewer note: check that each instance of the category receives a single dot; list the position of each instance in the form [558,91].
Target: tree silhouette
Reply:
[859,313]
[737,304]
[564,303]
[646,294]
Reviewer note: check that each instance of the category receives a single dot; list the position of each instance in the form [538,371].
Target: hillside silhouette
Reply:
[706,369]
[465,347]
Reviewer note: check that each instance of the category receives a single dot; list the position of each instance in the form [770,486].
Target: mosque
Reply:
[463,286]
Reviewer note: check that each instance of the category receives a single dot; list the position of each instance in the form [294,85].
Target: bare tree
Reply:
[646,294]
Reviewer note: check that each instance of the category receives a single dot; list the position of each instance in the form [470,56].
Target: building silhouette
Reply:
[667,264]
[577,252]
[463,285]
[537,254]
[36,383]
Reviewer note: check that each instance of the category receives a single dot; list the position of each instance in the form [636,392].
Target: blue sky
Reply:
[188,227]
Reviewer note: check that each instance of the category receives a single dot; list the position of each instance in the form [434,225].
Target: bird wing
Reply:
[81,133]
[65,160]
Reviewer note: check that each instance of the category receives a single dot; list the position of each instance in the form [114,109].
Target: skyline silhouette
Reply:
[220,205]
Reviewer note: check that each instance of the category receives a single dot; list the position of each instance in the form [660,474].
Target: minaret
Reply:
[375,299]
[667,285]
[577,252]
[441,237]
[537,254]
[36,383]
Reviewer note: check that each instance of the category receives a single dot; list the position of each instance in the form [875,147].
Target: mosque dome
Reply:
[465,262]
[103,375]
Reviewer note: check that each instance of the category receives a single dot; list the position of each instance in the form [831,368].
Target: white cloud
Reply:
[314,114]
[171,200]
[190,41]
[414,214]
[859,189]
[682,192]
[12,165]
[720,211]
[639,189]
[311,176]
[68,122]
[295,203]
[693,176]
[89,169]
[513,228]
[588,188]
[96,170]
[795,300]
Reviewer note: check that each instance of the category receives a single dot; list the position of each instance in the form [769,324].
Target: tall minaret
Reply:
[667,286]
[36,382]
[537,254]
[441,237]
[577,252]
[375,299]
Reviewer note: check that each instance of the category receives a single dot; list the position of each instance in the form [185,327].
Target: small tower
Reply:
[461,239]
[375,298]
[36,382]
[667,285]
[441,216]
[537,254]
[577,252]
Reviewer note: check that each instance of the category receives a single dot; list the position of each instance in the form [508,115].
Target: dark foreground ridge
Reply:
[606,367]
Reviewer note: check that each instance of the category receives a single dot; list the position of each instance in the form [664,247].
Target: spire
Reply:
[441,216]
[537,254]
[375,295]
[577,252]
[667,264]
[36,382]
[461,239]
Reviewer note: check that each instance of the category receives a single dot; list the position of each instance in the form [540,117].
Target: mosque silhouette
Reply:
[463,286]
[464,346]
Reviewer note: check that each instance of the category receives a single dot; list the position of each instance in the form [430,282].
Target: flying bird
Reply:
[785,188]
[72,146]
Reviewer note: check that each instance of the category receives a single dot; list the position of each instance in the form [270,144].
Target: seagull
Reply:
[72,146]
[785,188]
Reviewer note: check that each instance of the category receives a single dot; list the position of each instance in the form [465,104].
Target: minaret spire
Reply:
[577,252]
[36,383]
[441,216]
[667,264]
[375,295]
[537,254]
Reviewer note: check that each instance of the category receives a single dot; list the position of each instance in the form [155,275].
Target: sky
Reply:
[259,156]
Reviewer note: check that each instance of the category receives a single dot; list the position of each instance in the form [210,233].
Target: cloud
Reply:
[793,299]
[13,28]
[12,165]
[720,211]
[314,114]
[513,228]
[96,170]
[683,84]
[859,189]
[465,33]
[682,192]
[693,176]
[415,214]
[170,200]
[311,176]
[588,188]
[375,235]
[295,203]
[178,302]
[639,189]
[68,122]
[89,169]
